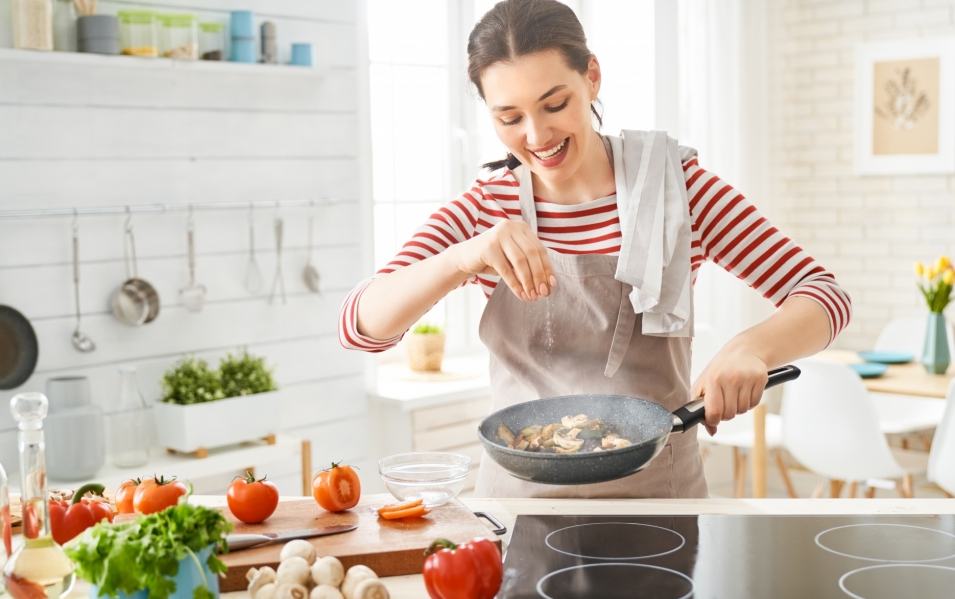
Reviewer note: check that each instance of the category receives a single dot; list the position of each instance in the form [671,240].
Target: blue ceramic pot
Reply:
[935,356]
[188,579]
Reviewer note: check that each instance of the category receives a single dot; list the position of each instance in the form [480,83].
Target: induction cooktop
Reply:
[730,557]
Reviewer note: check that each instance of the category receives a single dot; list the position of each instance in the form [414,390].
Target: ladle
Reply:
[81,341]
[310,274]
[278,282]
[253,274]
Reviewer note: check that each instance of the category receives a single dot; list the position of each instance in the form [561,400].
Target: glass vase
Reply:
[935,355]
[127,421]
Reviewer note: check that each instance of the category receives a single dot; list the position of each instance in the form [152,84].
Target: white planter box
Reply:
[217,423]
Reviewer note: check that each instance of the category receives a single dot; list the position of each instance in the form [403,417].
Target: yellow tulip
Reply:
[919,269]
[940,264]
[945,260]
[948,276]
[931,273]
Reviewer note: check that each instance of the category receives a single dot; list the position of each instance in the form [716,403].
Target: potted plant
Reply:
[425,345]
[170,554]
[202,408]
[935,283]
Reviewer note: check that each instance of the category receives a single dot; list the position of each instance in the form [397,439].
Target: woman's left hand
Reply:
[732,383]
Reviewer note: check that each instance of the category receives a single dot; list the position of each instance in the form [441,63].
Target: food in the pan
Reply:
[573,434]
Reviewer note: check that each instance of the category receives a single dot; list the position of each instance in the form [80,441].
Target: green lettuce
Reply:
[145,554]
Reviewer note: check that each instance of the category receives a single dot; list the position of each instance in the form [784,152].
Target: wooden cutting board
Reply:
[389,547]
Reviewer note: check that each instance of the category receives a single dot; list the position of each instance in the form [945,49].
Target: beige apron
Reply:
[586,338]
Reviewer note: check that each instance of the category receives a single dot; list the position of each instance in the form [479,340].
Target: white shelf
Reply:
[136,62]
[186,467]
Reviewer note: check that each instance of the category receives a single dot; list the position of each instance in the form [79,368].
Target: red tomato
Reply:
[337,489]
[250,500]
[124,495]
[155,495]
[471,570]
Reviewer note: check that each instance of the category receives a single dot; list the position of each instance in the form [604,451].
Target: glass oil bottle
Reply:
[38,568]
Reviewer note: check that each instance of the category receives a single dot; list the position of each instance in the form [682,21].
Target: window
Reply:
[430,131]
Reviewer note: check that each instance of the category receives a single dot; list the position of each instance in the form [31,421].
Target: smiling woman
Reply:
[597,240]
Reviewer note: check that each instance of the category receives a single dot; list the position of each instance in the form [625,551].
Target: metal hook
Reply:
[76,221]
[129,219]
[190,224]
[251,209]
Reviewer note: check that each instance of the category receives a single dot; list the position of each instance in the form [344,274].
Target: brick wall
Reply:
[867,230]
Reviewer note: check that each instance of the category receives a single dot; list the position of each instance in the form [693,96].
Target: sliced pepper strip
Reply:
[414,512]
[396,507]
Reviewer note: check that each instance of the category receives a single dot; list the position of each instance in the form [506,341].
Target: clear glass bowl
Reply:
[436,477]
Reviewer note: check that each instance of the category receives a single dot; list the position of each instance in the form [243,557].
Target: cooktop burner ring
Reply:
[844,577]
[682,540]
[875,559]
[540,583]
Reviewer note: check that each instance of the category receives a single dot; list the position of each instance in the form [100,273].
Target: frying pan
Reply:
[647,425]
[18,348]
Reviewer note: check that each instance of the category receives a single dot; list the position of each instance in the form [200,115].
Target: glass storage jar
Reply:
[32,24]
[179,36]
[212,41]
[137,32]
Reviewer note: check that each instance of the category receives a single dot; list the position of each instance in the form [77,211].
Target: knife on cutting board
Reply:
[245,541]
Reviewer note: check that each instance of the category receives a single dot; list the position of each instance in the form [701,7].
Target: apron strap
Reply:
[622,332]
[526,197]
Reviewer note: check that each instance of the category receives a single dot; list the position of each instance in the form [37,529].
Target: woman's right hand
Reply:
[511,250]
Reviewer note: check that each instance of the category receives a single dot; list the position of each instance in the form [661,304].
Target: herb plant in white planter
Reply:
[203,408]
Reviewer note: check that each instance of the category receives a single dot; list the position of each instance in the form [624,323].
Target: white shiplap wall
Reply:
[83,131]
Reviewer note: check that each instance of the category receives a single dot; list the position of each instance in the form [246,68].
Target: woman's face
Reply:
[541,111]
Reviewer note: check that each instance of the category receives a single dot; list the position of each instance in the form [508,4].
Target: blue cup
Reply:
[186,580]
[301,55]
[242,23]
[243,50]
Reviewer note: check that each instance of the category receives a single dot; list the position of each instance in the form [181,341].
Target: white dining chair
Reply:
[738,432]
[941,460]
[831,428]
[907,414]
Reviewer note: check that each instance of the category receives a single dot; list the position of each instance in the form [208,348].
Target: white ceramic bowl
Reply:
[436,477]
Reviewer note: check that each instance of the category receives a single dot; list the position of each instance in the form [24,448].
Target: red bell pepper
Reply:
[67,520]
[471,570]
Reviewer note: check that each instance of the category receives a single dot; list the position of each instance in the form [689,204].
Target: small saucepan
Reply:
[136,301]
[647,425]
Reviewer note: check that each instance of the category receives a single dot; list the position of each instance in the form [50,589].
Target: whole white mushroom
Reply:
[370,588]
[266,591]
[258,578]
[293,570]
[324,591]
[328,571]
[300,548]
[355,575]
[290,591]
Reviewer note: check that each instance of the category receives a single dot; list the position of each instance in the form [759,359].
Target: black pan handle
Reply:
[691,414]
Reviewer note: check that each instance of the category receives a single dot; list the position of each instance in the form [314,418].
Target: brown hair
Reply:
[515,28]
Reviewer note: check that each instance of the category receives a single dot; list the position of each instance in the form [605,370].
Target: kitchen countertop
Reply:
[507,510]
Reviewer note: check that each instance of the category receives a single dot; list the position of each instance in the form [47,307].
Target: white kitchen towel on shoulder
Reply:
[656,229]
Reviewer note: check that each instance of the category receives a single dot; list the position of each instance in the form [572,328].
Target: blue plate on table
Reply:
[887,357]
[869,370]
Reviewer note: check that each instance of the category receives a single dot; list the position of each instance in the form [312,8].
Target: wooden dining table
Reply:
[904,379]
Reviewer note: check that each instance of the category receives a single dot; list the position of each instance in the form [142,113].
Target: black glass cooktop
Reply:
[730,557]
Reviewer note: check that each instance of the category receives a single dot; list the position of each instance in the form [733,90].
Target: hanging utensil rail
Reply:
[49,212]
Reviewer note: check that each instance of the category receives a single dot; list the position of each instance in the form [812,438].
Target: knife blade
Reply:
[245,541]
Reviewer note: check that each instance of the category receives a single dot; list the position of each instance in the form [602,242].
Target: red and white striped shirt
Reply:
[727,229]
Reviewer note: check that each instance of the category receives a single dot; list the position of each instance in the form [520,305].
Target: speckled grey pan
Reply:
[646,424]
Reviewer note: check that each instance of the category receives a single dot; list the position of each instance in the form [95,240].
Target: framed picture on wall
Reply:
[905,107]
